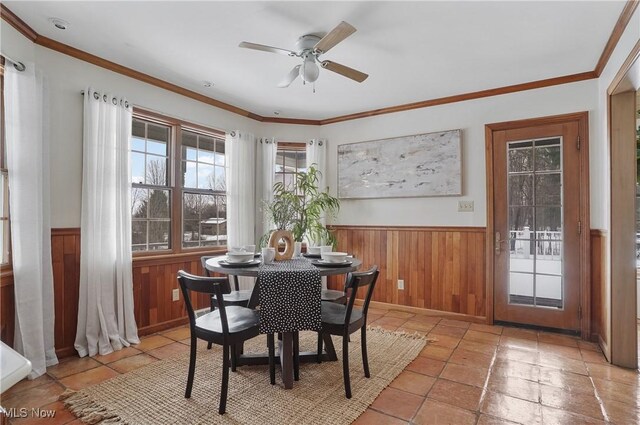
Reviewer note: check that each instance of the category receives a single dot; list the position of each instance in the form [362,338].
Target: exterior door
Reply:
[536,212]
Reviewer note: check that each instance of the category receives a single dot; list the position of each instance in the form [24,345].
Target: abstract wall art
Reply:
[410,166]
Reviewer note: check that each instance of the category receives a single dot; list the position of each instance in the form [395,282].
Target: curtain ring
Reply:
[232,134]
[126,104]
[96,96]
[114,101]
[319,142]
[104,97]
[310,142]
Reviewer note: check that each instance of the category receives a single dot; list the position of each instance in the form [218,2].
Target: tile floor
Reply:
[469,374]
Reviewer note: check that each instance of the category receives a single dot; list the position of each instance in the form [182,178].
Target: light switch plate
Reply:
[400,284]
[175,295]
[465,206]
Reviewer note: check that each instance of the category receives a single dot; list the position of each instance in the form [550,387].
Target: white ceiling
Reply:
[412,51]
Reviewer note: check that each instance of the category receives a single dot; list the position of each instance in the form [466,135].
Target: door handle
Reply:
[498,243]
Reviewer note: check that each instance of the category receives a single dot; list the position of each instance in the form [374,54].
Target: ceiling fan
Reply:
[309,48]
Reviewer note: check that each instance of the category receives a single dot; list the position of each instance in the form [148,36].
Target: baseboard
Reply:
[426,311]
[147,330]
[604,347]
[66,352]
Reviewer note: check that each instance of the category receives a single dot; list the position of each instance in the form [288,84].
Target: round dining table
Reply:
[286,344]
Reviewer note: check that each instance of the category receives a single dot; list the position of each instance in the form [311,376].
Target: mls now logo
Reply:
[23,412]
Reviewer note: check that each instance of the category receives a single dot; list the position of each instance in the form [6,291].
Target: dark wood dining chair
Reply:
[343,320]
[334,296]
[234,298]
[228,326]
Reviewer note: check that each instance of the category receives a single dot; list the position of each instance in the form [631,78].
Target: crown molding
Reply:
[625,16]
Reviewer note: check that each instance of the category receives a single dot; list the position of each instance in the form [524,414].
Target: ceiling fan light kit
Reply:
[309,48]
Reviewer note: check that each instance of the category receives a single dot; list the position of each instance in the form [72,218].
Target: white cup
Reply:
[236,249]
[326,248]
[268,255]
[297,249]
[313,250]
[250,248]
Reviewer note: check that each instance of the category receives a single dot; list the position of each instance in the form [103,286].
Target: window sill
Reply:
[141,260]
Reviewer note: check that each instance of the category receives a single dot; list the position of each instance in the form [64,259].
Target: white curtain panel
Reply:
[265,176]
[241,191]
[105,311]
[28,164]
[317,154]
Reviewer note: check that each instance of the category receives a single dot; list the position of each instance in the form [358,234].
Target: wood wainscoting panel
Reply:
[599,307]
[65,255]
[443,268]
[7,308]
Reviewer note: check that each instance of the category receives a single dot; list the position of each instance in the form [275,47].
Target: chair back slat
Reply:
[205,285]
[357,280]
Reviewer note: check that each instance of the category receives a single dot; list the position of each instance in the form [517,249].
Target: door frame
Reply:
[621,347]
[582,118]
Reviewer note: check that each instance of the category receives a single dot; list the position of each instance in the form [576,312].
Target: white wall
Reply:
[66,77]
[471,117]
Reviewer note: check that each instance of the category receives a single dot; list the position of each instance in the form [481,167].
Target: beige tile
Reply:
[483,337]
[170,350]
[591,346]
[436,413]
[412,382]
[419,326]
[492,420]
[551,416]
[621,413]
[520,343]
[378,311]
[557,339]
[426,366]
[153,341]
[397,403]
[370,417]
[469,375]
[580,403]
[26,384]
[389,323]
[411,331]
[456,323]
[451,331]
[559,350]
[433,320]
[131,363]
[510,368]
[456,394]
[117,355]
[617,391]
[614,373]
[444,340]
[520,333]
[493,329]
[88,378]
[34,397]
[513,409]
[593,356]
[72,365]
[572,382]
[515,387]
[436,352]
[563,363]
[178,334]
[470,358]
[480,347]
[399,314]
[518,355]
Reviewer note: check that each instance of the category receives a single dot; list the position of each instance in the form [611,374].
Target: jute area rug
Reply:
[154,394]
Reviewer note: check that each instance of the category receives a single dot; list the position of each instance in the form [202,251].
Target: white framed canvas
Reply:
[427,164]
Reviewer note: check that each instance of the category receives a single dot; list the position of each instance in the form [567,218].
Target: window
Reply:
[290,159]
[204,200]
[5,248]
[150,192]
[178,198]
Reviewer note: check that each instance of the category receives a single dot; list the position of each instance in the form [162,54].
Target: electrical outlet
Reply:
[400,284]
[175,295]
[465,206]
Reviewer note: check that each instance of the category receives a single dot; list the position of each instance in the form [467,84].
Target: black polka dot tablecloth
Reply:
[290,296]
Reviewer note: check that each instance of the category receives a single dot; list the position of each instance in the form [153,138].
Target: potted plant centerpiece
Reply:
[297,211]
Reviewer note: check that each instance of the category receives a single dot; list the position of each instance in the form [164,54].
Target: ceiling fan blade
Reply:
[291,76]
[264,48]
[345,71]
[335,36]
